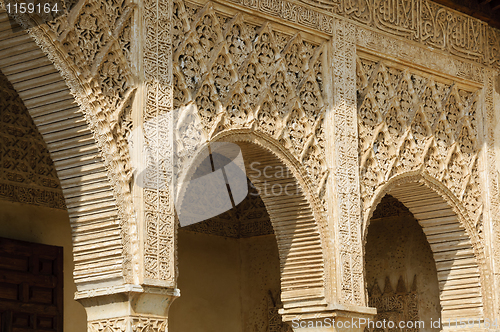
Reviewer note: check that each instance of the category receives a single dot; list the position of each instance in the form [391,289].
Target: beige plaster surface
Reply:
[209,282]
[46,226]
[225,283]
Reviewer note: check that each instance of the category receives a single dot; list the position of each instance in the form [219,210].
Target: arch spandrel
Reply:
[411,122]
[235,71]
[250,80]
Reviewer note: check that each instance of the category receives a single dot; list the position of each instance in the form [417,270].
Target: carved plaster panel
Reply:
[132,324]
[397,305]
[244,73]
[27,173]
[411,122]
[419,21]
[88,46]
[345,196]
[492,176]
[159,215]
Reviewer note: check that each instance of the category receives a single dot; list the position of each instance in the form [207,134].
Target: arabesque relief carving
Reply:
[416,20]
[397,305]
[90,45]
[137,323]
[96,37]
[243,75]
[27,173]
[242,72]
[159,217]
[414,122]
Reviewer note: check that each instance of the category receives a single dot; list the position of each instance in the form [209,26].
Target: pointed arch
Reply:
[295,214]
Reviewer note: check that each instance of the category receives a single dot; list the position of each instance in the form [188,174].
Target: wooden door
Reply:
[31,287]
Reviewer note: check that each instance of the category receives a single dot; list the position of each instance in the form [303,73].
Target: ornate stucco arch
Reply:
[74,75]
[296,214]
[423,131]
[83,144]
[456,245]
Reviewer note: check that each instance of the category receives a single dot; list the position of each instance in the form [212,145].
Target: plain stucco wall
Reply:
[46,226]
[397,246]
[209,283]
[225,283]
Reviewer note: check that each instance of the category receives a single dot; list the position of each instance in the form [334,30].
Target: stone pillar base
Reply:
[127,308]
[334,318]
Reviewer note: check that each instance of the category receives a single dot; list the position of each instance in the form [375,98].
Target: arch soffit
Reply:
[270,144]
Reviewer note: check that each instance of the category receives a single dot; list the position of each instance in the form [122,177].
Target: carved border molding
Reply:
[419,21]
[292,12]
[345,192]
[134,323]
[491,178]
[386,46]
[159,216]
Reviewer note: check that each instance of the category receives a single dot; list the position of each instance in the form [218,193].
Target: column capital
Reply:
[125,305]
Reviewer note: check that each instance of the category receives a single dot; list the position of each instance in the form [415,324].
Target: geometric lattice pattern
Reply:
[411,122]
[246,75]
[27,174]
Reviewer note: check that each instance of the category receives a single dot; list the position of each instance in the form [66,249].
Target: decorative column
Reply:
[491,280]
[347,309]
[141,303]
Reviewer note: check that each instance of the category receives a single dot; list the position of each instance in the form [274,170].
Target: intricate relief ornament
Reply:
[399,305]
[412,122]
[425,22]
[90,46]
[492,170]
[159,215]
[27,174]
[137,324]
[417,20]
[345,189]
[247,76]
